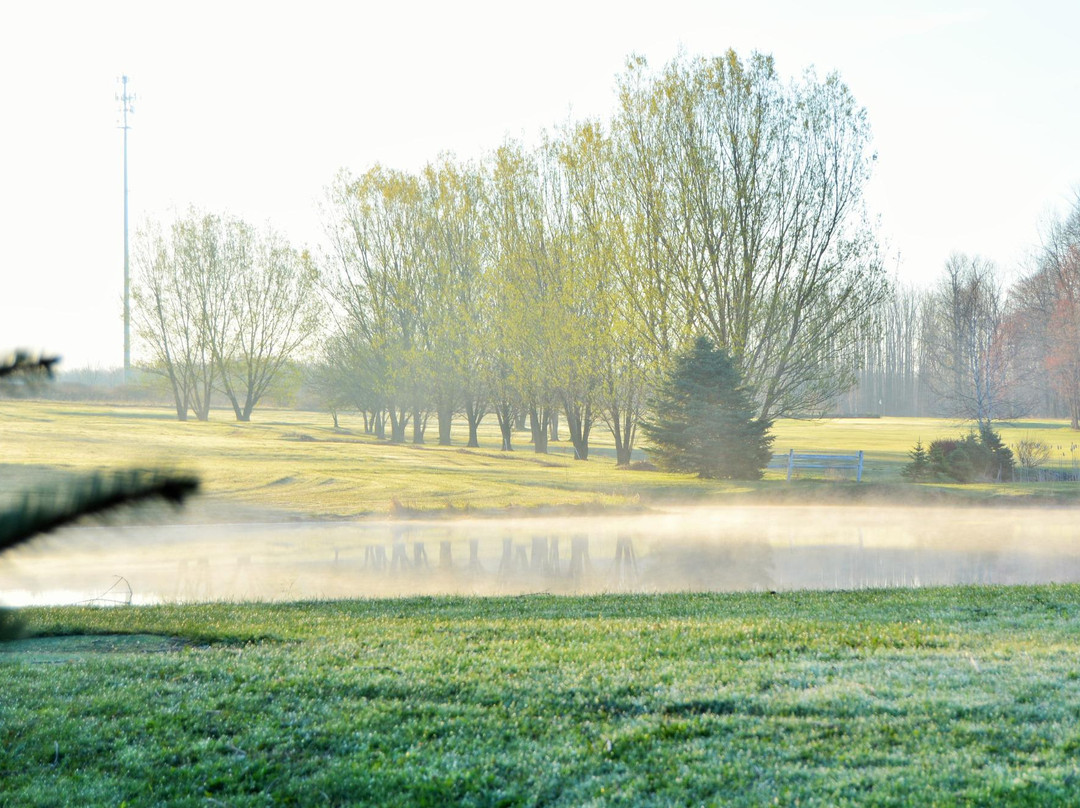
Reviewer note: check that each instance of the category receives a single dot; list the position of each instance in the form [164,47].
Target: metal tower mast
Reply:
[126,108]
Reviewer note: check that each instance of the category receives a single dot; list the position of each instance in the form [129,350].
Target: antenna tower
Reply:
[126,100]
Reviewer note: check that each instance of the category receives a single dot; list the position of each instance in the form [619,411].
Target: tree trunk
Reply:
[538,421]
[579,422]
[474,413]
[504,412]
[398,422]
[446,419]
[181,406]
[379,420]
[624,437]
[553,427]
[419,425]
[622,421]
[179,392]
[237,412]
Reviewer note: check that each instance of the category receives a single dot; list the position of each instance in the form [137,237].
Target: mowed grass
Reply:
[964,696]
[296,461]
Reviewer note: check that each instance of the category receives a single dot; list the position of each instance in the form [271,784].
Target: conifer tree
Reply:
[702,421]
[920,468]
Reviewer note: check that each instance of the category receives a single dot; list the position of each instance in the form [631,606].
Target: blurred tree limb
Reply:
[48,508]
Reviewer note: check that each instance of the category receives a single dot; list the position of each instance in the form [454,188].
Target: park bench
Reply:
[838,462]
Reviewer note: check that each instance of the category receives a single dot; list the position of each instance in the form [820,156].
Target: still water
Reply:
[676,549]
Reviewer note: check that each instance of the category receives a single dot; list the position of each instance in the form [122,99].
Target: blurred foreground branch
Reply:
[22,363]
[48,508]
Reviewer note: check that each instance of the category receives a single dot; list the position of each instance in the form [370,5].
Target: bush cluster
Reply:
[976,456]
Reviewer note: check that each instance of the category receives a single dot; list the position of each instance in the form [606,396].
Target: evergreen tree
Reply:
[702,418]
[920,468]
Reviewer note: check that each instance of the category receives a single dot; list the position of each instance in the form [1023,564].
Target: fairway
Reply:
[296,463]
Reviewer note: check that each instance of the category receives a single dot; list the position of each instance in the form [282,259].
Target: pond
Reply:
[673,549]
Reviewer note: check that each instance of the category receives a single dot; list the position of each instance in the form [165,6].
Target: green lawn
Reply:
[296,461]
[966,696]
[947,697]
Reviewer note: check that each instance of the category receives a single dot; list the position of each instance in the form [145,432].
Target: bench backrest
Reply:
[802,460]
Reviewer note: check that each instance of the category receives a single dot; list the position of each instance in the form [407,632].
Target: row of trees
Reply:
[554,285]
[719,201]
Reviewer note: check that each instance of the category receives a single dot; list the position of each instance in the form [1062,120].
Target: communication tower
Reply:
[127,107]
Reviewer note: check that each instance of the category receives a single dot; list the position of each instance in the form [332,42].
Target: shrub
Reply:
[1032,453]
[976,456]
[919,469]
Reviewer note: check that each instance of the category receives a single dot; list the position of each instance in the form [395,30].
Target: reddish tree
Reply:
[1062,358]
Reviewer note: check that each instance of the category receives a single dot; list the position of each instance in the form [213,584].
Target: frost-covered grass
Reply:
[943,696]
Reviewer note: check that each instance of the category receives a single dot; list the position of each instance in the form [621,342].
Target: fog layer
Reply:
[677,549]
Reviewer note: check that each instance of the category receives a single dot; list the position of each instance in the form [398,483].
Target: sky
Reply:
[252,108]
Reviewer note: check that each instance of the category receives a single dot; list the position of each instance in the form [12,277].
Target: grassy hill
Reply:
[296,461]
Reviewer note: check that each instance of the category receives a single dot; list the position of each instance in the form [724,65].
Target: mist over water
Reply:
[695,548]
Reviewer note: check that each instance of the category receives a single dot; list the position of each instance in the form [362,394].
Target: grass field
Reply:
[954,696]
[296,461]
[943,697]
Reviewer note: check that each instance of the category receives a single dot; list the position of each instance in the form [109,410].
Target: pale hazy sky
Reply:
[251,108]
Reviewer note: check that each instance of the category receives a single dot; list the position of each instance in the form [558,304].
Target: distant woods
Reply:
[969,347]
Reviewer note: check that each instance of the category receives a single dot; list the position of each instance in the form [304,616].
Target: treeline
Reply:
[971,348]
[553,285]
[718,201]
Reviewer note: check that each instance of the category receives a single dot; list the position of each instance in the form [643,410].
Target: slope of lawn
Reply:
[297,462]
[947,697]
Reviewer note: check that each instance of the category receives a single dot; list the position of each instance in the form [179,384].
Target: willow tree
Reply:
[604,378]
[765,238]
[455,328]
[524,252]
[375,275]
[218,306]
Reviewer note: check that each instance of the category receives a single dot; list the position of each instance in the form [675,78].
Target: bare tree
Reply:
[177,296]
[1044,319]
[966,339]
[216,306]
[766,239]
